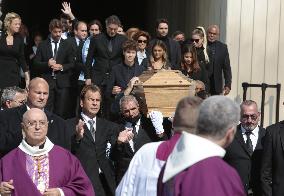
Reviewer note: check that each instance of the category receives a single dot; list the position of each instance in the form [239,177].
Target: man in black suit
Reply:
[10,119]
[272,170]
[106,49]
[54,61]
[173,47]
[90,137]
[145,130]
[81,75]
[219,59]
[245,152]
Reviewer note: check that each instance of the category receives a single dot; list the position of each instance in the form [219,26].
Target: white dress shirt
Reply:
[253,136]
[136,129]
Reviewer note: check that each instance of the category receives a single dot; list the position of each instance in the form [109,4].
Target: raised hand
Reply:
[67,10]
[80,130]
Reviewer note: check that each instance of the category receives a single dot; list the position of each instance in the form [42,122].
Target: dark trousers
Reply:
[61,102]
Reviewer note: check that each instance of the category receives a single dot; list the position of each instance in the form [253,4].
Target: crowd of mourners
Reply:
[72,123]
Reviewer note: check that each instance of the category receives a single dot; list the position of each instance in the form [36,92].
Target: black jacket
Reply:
[92,154]
[248,167]
[65,56]
[11,130]
[272,170]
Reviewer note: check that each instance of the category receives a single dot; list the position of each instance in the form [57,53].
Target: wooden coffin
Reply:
[161,90]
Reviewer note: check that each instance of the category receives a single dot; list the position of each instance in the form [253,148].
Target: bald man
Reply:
[42,167]
[10,120]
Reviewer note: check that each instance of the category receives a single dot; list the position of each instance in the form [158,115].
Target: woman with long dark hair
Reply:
[191,67]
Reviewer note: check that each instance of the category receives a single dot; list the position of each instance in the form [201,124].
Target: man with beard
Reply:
[245,152]
[173,47]
[145,130]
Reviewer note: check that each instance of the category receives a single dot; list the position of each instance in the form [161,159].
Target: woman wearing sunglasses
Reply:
[199,40]
[142,38]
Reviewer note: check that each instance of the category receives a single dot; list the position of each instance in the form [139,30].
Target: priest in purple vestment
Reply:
[38,167]
[195,167]
[143,172]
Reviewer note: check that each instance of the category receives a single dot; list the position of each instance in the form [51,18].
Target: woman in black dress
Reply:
[191,67]
[12,56]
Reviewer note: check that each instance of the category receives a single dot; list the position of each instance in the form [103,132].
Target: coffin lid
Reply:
[164,78]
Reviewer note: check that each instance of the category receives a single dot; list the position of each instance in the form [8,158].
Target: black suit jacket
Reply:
[11,130]
[121,74]
[104,60]
[92,154]
[248,167]
[272,171]
[65,57]
[123,153]
[219,59]
[174,54]
[79,66]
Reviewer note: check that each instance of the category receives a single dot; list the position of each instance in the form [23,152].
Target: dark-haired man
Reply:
[173,47]
[54,61]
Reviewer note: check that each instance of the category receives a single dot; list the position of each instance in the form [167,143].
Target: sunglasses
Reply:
[142,41]
[195,40]
[212,33]
[253,116]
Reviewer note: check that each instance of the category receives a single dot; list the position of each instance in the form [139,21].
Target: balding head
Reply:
[38,93]
[35,126]
[37,80]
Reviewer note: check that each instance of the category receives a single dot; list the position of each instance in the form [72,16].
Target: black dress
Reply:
[201,75]
[11,59]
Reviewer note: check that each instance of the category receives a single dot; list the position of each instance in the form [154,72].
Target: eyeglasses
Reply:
[252,116]
[20,101]
[142,41]
[195,40]
[33,124]
[212,33]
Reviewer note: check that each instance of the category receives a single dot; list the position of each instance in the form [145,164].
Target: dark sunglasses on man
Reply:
[140,41]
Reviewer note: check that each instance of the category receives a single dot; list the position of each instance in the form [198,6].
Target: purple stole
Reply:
[165,148]
[65,172]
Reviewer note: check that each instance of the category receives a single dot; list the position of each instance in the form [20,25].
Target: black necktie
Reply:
[55,49]
[81,43]
[134,130]
[109,46]
[249,142]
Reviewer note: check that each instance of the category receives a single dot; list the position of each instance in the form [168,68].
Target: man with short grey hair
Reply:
[195,166]
[13,97]
[245,152]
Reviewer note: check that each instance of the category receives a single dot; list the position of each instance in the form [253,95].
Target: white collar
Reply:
[34,150]
[86,118]
[189,150]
